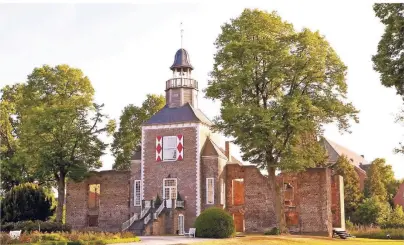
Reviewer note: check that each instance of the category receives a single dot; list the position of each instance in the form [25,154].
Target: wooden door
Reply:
[239,222]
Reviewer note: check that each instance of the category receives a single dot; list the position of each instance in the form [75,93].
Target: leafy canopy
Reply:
[277,88]
[389,59]
[129,135]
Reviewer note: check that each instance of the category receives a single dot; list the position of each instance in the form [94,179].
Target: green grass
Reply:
[297,240]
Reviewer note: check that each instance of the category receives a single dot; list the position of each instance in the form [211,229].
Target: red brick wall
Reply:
[184,171]
[337,206]
[134,175]
[362,177]
[114,200]
[399,198]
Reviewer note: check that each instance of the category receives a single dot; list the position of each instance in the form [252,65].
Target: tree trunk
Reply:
[276,191]
[61,198]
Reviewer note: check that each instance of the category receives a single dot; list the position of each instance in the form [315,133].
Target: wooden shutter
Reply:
[180,147]
[159,148]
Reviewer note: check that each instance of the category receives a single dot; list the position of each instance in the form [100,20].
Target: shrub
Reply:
[378,233]
[214,223]
[273,231]
[349,225]
[26,202]
[35,226]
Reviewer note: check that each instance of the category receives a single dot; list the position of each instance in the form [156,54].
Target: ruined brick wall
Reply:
[184,171]
[337,206]
[399,197]
[114,200]
[313,200]
[362,177]
[258,208]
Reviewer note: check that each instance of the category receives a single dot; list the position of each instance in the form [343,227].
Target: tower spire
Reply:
[182,33]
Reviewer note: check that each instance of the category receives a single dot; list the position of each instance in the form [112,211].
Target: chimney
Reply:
[228,150]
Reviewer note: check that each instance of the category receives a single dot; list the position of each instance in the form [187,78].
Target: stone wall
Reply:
[114,201]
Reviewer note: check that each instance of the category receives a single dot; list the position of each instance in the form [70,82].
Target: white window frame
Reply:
[164,187]
[165,147]
[223,192]
[137,199]
[212,192]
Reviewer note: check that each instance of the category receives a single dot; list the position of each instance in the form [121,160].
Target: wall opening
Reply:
[238,192]
[94,196]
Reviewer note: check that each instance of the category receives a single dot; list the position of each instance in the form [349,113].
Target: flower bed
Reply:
[70,238]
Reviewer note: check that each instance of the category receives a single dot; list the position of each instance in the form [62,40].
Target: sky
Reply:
[126,50]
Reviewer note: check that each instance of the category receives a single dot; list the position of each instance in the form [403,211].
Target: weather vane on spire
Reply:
[182,33]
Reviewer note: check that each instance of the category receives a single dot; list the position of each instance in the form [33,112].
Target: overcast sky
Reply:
[127,49]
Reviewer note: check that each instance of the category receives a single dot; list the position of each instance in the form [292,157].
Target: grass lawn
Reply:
[291,240]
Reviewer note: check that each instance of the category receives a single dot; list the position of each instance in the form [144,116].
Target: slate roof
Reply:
[183,114]
[335,150]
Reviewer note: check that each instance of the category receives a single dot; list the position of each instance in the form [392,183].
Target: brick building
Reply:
[180,161]
[399,197]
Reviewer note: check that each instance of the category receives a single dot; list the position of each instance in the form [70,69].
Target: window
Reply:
[93,196]
[169,148]
[210,192]
[223,192]
[170,189]
[137,193]
[181,224]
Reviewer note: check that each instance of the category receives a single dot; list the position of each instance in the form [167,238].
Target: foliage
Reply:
[352,193]
[36,225]
[72,238]
[59,126]
[214,223]
[27,202]
[349,225]
[15,165]
[277,88]
[381,182]
[395,218]
[372,211]
[390,50]
[378,233]
[273,231]
[129,135]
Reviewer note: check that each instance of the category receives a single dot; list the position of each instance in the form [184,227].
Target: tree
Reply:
[381,182]
[277,88]
[352,193]
[372,211]
[129,135]
[26,202]
[60,126]
[389,59]
[15,166]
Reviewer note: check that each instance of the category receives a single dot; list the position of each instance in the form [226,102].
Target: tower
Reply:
[181,88]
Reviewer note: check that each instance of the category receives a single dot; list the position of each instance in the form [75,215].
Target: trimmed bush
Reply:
[214,223]
[29,226]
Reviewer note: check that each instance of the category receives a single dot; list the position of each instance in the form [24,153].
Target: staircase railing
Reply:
[144,212]
[129,222]
[147,219]
[158,211]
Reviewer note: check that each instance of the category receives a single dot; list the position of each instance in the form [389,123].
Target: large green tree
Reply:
[352,193]
[389,59]
[277,88]
[380,182]
[60,126]
[129,135]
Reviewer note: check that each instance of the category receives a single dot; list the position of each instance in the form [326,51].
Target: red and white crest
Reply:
[159,148]
[180,147]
